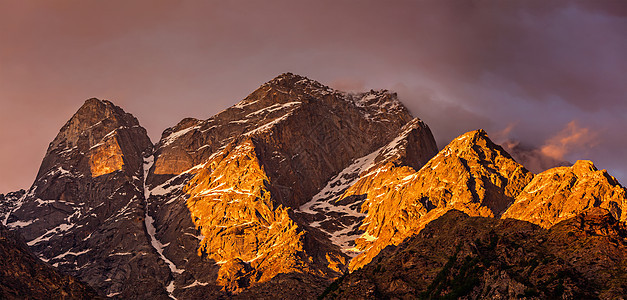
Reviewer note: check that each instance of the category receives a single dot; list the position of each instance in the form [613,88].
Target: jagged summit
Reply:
[93,112]
[560,193]
[101,137]
[478,141]
[287,107]
[471,174]
[290,80]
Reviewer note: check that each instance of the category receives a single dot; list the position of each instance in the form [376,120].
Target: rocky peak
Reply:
[290,81]
[477,144]
[280,116]
[560,193]
[84,213]
[471,174]
[101,114]
[100,138]
[413,147]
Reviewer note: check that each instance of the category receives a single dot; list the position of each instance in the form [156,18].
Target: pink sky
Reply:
[543,69]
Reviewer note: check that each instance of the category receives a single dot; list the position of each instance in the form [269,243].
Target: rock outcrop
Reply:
[563,192]
[457,256]
[306,132]
[22,275]
[84,213]
[244,229]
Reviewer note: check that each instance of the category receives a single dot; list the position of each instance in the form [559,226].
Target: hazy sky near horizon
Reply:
[551,74]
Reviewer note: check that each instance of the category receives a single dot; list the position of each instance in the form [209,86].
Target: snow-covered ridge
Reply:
[325,201]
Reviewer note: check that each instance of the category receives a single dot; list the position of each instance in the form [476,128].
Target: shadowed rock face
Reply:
[487,258]
[337,209]
[560,193]
[23,275]
[84,213]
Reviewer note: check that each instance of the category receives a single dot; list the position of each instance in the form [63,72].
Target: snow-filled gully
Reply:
[151,230]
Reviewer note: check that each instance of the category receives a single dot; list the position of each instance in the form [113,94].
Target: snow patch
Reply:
[273,108]
[150,228]
[50,233]
[325,201]
[196,283]
[21,223]
[175,135]
[268,126]
[60,256]
[170,289]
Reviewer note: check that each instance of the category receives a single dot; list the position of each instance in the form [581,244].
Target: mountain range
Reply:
[303,191]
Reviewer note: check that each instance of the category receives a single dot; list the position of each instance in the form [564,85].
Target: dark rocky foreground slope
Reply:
[22,275]
[457,256]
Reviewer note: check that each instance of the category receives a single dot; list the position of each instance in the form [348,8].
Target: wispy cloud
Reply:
[573,138]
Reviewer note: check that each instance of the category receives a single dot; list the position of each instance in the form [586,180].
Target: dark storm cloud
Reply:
[536,66]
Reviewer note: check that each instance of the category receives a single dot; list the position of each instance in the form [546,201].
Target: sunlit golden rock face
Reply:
[563,192]
[471,174]
[251,237]
[106,157]
[305,132]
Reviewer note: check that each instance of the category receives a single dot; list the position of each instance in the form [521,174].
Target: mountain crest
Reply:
[560,193]
[290,80]
[471,174]
[93,113]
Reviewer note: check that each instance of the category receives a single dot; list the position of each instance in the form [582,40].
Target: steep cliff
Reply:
[337,209]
